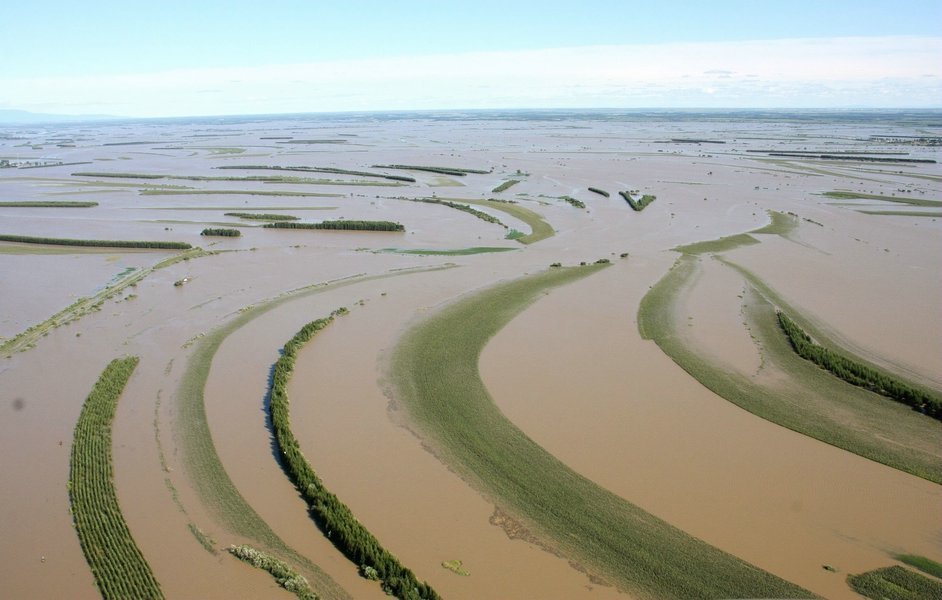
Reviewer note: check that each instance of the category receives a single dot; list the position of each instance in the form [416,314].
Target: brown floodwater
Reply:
[611,406]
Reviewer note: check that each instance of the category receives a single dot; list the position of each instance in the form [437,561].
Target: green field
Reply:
[119,568]
[895,583]
[434,371]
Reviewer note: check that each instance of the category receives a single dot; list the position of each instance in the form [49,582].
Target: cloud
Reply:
[875,71]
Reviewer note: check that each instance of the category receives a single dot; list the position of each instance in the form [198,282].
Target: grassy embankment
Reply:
[261,216]
[435,374]
[331,514]
[221,232]
[46,204]
[456,171]
[119,568]
[539,229]
[153,245]
[28,338]
[339,225]
[454,252]
[203,465]
[895,583]
[331,170]
[192,192]
[505,186]
[258,179]
[281,571]
[843,195]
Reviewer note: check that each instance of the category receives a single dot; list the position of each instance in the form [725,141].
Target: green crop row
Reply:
[117,564]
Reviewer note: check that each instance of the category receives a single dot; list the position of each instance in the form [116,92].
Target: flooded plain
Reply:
[571,371]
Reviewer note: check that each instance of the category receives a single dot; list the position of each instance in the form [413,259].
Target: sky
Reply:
[186,58]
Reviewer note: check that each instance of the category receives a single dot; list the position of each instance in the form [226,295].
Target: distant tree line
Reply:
[261,216]
[221,231]
[25,239]
[340,225]
[333,516]
[858,374]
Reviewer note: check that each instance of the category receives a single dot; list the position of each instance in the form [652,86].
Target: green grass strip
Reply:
[46,204]
[331,514]
[435,373]
[721,245]
[25,239]
[926,565]
[895,583]
[152,192]
[505,186]
[898,199]
[901,213]
[456,252]
[262,216]
[116,562]
[286,577]
[812,402]
[539,228]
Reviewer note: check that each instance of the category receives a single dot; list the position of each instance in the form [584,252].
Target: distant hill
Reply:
[25,117]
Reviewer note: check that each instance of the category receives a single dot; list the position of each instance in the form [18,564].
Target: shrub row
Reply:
[858,374]
[261,216]
[598,191]
[47,204]
[117,564]
[441,170]
[220,231]
[332,170]
[458,206]
[637,205]
[504,186]
[25,239]
[330,514]
[574,202]
[286,577]
[340,225]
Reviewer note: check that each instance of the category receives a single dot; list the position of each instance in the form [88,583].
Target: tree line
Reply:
[332,516]
[340,225]
[221,231]
[25,239]
[640,204]
[859,374]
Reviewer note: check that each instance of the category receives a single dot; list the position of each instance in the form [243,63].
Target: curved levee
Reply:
[436,379]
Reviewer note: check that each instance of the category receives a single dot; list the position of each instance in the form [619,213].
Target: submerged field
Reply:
[540,391]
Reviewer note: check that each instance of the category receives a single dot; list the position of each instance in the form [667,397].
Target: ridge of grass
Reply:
[46,204]
[117,564]
[434,372]
[813,402]
[27,339]
[844,195]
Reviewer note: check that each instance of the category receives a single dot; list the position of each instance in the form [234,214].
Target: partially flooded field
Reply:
[571,373]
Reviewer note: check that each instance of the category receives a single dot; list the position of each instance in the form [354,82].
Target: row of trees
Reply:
[330,514]
[25,239]
[456,171]
[458,206]
[859,374]
[340,225]
[599,191]
[221,231]
[574,202]
[261,216]
[331,170]
[117,564]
